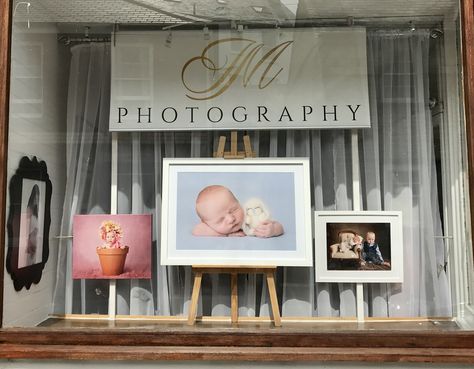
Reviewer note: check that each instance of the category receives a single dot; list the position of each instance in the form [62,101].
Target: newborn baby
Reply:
[222,215]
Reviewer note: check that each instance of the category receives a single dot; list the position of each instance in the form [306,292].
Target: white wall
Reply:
[37,127]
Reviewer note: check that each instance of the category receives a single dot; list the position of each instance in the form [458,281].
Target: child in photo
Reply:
[350,241]
[371,252]
[357,243]
[222,215]
[32,214]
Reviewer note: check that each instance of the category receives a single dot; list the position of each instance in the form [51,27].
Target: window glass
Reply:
[79,68]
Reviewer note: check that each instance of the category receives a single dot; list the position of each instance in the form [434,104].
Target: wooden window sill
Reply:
[372,341]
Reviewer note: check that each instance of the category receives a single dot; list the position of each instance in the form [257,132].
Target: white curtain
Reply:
[398,173]
[88,169]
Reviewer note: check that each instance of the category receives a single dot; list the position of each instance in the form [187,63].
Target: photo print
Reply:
[33,196]
[111,246]
[236,212]
[358,246]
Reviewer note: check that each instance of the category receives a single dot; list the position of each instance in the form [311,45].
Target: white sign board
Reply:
[259,79]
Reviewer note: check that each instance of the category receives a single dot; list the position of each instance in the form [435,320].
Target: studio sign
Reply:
[244,62]
[239,83]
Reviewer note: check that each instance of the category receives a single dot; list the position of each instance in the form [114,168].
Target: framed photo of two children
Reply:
[358,246]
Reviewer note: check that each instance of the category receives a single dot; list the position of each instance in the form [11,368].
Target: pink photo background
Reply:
[136,235]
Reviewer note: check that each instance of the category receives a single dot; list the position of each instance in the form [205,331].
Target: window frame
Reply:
[230,344]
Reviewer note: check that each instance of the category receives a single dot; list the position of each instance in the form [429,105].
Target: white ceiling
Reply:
[378,8]
[165,12]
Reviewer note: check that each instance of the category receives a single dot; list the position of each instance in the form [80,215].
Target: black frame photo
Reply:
[28,223]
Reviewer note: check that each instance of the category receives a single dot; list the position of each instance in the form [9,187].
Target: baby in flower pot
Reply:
[112,253]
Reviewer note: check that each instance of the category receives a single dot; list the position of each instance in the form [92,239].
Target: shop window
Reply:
[71,77]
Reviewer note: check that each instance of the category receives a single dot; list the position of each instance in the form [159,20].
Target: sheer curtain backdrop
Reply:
[397,169]
[88,168]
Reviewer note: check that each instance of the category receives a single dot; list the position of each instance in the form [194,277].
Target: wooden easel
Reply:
[233,153]
[269,271]
[199,270]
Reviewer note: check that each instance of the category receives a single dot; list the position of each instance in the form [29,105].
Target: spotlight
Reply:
[169,40]
[278,29]
[86,32]
[205,31]
[436,33]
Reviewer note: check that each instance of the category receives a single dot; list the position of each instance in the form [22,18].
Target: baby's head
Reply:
[110,231]
[218,208]
[358,239]
[370,238]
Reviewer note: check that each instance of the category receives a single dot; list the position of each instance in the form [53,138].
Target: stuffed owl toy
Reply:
[255,213]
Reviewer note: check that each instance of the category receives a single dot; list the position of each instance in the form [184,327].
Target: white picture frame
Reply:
[283,185]
[339,256]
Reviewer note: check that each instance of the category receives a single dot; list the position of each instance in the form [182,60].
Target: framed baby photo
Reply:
[28,222]
[236,212]
[358,246]
[111,246]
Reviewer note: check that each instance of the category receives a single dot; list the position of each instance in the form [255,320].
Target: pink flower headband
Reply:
[110,226]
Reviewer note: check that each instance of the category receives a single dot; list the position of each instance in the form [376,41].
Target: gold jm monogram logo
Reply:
[244,61]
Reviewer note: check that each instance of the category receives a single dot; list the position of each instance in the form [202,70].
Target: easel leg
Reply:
[220,147]
[234,302]
[273,298]
[233,143]
[248,147]
[194,298]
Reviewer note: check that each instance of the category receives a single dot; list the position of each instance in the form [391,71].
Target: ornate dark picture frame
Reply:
[28,222]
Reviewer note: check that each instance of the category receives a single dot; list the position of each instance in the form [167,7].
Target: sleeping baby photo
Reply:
[222,215]
[236,211]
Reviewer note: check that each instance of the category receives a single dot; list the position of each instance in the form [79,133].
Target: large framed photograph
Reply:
[358,246]
[236,212]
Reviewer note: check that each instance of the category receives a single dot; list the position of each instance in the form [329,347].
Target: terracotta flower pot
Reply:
[112,261]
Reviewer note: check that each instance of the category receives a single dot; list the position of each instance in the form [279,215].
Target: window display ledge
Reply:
[231,343]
